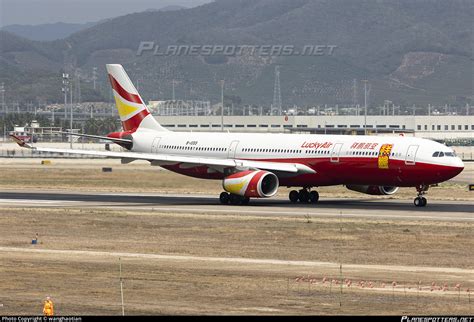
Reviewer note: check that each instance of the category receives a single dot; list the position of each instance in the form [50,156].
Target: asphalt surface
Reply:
[358,208]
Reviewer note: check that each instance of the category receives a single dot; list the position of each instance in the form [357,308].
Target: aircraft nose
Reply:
[455,168]
[458,163]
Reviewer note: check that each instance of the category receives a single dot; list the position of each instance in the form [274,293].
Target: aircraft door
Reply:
[335,153]
[155,145]
[411,155]
[232,149]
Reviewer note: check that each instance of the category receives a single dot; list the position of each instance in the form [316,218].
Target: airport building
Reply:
[433,127]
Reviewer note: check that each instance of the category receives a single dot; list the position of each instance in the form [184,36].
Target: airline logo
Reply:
[130,106]
[384,155]
[316,145]
[364,146]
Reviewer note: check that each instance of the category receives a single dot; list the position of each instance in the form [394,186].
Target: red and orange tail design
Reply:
[133,112]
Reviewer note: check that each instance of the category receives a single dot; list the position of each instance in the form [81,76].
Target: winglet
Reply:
[20,142]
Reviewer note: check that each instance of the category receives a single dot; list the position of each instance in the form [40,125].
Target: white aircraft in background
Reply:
[254,165]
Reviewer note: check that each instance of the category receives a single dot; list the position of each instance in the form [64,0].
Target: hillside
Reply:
[47,32]
[411,51]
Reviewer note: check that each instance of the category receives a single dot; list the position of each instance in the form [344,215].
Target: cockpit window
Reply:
[439,154]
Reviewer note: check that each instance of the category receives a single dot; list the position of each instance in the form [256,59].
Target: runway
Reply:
[375,208]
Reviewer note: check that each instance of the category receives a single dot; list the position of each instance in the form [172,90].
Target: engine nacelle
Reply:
[373,190]
[252,184]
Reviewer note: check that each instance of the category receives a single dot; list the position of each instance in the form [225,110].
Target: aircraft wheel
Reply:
[293,196]
[417,202]
[224,198]
[314,197]
[420,202]
[303,196]
[235,200]
[424,202]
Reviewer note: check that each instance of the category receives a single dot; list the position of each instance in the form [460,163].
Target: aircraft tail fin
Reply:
[133,112]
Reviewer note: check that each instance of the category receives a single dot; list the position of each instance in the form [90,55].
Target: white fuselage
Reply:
[354,158]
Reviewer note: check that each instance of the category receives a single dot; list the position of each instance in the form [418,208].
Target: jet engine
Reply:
[252,184]
[373,190]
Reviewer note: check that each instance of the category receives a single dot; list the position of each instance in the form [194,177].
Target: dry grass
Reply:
[82,284]
[89,285]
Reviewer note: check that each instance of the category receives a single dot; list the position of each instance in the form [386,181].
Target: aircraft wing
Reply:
[167,159]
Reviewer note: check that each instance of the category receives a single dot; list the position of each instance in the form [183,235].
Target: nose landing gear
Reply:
[421,201]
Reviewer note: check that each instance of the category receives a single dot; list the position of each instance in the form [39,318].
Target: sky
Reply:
[33,12]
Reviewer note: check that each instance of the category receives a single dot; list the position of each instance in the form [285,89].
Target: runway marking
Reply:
[34,201]
[277,209]
[255,261]
[228,209]
[277,212]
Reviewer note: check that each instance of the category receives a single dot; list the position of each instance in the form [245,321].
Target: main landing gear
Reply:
[421,201]
[305,195]
[229,198]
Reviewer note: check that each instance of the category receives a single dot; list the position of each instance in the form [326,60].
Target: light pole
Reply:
[70,136]
[222,102]
[94,77]
[2,90]
[65,89]
[173,94]
[365,106]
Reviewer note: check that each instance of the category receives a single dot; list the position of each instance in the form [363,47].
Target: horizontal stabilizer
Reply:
[96,137]
[20,142]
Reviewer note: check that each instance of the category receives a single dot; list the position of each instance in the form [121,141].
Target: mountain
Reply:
[61,30]
[410,51]
[167,8]
[47,32]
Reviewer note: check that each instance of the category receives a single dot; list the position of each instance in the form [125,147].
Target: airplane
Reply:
[255,165]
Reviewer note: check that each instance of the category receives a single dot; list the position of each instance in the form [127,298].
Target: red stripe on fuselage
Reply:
[350,170]
[201,172]
[123,93]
